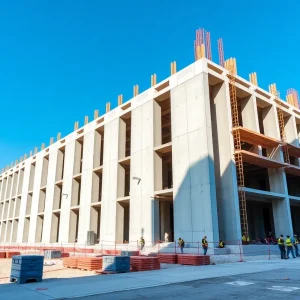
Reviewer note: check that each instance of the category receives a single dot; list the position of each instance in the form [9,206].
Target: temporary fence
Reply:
[232,252]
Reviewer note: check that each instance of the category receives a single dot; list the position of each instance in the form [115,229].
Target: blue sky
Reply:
[60,60]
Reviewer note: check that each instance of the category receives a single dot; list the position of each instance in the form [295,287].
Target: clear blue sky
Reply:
[60,60]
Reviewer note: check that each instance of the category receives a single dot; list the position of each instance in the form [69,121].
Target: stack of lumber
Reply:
[144,263]
[70,262]
[191,259]
[2,254]
[10,254]
[89,263]
[167,258]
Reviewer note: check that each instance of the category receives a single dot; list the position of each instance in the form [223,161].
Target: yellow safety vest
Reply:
[288,242]
[280,241]
[296,241]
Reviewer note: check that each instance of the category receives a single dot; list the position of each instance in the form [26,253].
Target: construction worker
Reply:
[245,240]
[181,244]
[281,246]
[142,243]
[221,244]
[204,245]
[295,243]
[289,246]
[166,237]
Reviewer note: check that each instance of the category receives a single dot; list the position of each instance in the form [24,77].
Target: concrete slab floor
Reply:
[88,287]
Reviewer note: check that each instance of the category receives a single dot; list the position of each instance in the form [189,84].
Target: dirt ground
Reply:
[55,271]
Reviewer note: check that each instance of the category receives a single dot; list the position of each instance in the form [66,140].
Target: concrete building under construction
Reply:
[203,152]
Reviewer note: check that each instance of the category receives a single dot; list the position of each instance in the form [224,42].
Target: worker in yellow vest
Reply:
[281,246]
[295,243]
[289,246]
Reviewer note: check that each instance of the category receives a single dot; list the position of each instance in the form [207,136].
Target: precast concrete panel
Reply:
[35,198]
[142,167]
[86,187]
[23,201]
[225,172]
[49,196]
[109,183]
[194,182]
[67,192]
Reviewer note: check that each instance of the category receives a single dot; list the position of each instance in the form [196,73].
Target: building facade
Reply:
[162,162]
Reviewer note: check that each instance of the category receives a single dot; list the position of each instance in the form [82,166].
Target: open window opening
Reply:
[31,176]
[163,170]
[260,221]
[74,223]
[293,185]
[55,224]
[18,205]
[76,190]
[39,228]
[97,187]
[122,221]
[256,177]
[26,229]
[15,230]
[99,147]
[3,228]
[95,222]
[60,165]
[78,156]
[57,199]
[8,231]
[295,214]
[28,204]
[166,220]
[45,171]
[125,136]
[11,208]
[42,198]
[5,215]
[20,184]
[3,189]
[8,190]
[123,180]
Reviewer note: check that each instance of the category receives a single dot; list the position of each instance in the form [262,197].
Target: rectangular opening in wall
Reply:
[165,121]
[6,207]
[8,231]
[293,185]
[95,221]
[54,234]
[18,205]
[256,177]
[14,186]
[57,199]
[123,180]
[3,228]
[8,189]
[163,171]
[15,230]
[20,183]
[28,204]
[11,208]
[98,147]
[122,222]
[1,209]
[74,222]
[78,156]
[41,207]
[3,189]
[260,218]
[125,136]
[76,189]
[39,228]
[45,171]
[60,164]
[96,187]
[166,220]
[26,230]
[31,176]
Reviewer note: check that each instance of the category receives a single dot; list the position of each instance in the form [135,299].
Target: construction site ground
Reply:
[266,279]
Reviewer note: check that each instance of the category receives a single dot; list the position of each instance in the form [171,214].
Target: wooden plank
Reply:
[255,138]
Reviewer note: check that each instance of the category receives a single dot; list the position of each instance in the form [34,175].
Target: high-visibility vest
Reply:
[142,241]
[280,241]
[204,243]
[221,245]
[296,241]
[244,238]
[288,242]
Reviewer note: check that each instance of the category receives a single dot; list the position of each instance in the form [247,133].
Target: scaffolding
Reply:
[231,67]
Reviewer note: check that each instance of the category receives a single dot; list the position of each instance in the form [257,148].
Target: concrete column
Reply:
[225,170]
[21,227]
[277,178]
[250,117]
[194,190]
[86,187]
[67,191]
[292,134]
[109,187]
[52,169]
[35,198]
[144,210]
